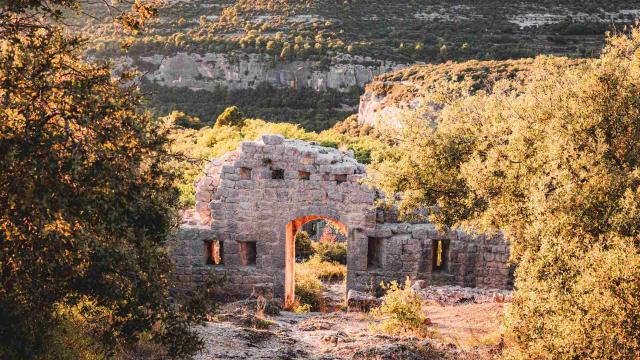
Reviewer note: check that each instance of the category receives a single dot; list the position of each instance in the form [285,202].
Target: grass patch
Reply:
[309,277]
[308,291]
[331,252]
[316,267]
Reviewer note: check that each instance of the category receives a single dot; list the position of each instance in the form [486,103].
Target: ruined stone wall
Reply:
[408,250]
[249,199]
[249,196]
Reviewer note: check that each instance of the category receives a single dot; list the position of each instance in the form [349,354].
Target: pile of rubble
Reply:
[448,295]
[445,295]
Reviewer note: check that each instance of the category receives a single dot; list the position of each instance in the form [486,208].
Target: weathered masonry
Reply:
[252,201]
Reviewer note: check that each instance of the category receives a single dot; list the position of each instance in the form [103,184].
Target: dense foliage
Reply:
[314,111]
[86,201]
[403,31]
[231,116]
[553,164]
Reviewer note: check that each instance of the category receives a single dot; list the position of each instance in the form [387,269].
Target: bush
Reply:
[401,311]
[554,167]
[332,252]
[179,118]
[304,246]
[308,290]
[231,116]
[322,270]
[102,166]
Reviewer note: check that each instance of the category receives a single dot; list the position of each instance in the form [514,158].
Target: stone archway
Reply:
[291,230]
[251,202]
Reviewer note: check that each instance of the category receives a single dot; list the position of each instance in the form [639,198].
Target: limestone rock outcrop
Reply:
[236,71]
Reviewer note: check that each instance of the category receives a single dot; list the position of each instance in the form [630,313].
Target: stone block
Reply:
[272,139]
[361,302]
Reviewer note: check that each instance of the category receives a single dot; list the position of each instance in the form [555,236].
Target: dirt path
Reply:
[342,335]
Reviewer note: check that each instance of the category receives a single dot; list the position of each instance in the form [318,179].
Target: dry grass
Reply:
[468,325]
[321,270]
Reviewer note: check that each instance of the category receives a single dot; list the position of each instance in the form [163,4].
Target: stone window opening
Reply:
[247,251]
[277,174]
[245,173]
[304,175]
[440,255]
[214,252]
[340,179]
[374,253]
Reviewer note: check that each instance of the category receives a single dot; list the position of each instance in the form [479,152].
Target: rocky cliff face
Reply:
[238,71]
[378,109]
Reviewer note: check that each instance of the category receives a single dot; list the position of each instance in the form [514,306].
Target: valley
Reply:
[308,62]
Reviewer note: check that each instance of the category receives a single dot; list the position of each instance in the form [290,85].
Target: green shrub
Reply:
[308,290]
[401,312]
[304,246]
[102,165]
[554,167]
[231,116]
[179,118]
[332,252]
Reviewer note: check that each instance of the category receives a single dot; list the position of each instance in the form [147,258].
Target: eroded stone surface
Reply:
[237,71]
[342,335]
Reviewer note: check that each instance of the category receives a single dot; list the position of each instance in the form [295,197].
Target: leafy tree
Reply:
[231,116]
[181,119]
[86,201]
[303,245]
[554,166]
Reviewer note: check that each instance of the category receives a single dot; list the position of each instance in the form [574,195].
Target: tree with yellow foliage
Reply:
[554,165]
[86,201]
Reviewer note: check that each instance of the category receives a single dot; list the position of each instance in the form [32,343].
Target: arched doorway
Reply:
[292,229]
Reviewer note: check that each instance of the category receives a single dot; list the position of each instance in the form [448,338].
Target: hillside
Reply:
[307,61]
[388,95]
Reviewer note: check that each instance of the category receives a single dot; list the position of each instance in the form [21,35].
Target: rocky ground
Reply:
[462,330]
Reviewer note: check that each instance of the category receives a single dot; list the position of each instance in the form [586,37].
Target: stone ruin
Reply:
[251,202]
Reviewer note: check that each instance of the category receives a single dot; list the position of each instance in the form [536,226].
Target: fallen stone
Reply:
[314,324]
[361,302]
[272,139]
[404,351]
[450,295]
[418,285]
[336,338]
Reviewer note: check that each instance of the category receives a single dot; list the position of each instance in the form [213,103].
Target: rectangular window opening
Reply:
[374,253]
[247,251]
[304,175]
[340,179]
[214,252]
[277,174]
[440,253]
[245,173]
